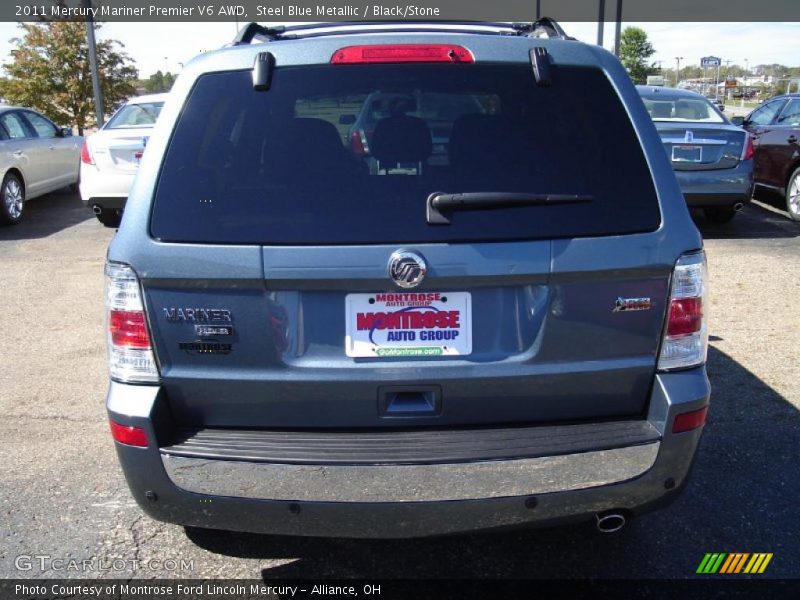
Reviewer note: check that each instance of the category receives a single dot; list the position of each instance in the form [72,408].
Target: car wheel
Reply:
[793,195]
[720,215]
[109,217]
[12,195]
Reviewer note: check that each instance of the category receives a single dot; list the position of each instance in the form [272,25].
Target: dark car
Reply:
[775,128]
[301,345]
[712,158]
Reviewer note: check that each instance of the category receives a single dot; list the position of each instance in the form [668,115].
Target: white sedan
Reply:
[110,157]
[36,157]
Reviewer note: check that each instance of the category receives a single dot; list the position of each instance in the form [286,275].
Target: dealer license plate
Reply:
[408,324]
[687,153]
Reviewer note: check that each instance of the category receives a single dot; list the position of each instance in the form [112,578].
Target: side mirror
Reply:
[347,119]
[738,121]
[65,132]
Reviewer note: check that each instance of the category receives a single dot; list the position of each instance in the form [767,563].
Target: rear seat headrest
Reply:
[401,139]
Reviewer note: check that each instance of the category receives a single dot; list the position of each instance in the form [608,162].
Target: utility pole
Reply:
[678,60]
[746,75]
[98,92]
[618,29]
[601,19]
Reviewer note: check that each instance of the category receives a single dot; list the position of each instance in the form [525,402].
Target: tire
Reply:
[12,200]
[109,217]
[793,195]
[720,216]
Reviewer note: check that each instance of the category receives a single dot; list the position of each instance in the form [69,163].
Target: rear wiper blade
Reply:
[440,204]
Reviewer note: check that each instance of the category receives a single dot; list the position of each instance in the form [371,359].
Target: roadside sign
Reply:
[710,61]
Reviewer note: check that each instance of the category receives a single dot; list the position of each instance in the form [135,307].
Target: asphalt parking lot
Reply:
[62,494]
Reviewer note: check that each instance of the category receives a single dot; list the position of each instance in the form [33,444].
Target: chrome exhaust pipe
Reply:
[96,209]
[738,206]
[610,522]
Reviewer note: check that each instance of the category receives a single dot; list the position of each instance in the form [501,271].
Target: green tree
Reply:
[159,82]
[634,51]
[49,71]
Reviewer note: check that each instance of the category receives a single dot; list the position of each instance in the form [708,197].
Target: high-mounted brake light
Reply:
[749,150]
[686,334]
[130,354]
[86,156]
[402,53]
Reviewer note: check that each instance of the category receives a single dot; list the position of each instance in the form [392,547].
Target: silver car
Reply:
[36,157]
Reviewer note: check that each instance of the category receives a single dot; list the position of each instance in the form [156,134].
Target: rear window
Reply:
[681,109]
[348,154]
[135,115]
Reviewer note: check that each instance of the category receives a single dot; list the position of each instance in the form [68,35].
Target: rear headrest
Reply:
[482,142]
[313,136]
[662,110]
[684,110]
[401,139]
[303,148]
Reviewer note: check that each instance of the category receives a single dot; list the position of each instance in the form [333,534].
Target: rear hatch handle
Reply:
[440,204]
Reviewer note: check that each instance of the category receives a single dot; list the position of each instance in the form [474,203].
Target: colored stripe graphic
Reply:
[740,563]
[765,563]
[728,562]
[733,563]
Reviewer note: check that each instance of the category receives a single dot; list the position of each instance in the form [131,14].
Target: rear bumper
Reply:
[107,190]
[719,188]
[407,500]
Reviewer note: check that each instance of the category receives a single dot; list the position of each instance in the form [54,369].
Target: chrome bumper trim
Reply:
[410,483]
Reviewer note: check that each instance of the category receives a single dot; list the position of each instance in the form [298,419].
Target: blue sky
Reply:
[156,46]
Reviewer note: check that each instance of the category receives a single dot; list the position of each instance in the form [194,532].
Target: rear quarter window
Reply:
[312,161]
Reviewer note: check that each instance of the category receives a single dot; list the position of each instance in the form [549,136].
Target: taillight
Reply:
[402,53]
[132,436]
[86,156]
[749,150]
[689,420]
[686,334]
[130,353]
[359,143]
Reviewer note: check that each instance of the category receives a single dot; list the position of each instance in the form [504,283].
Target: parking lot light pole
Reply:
[601,19]
[678,60]
[98,92]
[746,75]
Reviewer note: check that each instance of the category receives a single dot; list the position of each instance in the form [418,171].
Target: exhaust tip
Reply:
[96,209]
[610,522]
[738,206]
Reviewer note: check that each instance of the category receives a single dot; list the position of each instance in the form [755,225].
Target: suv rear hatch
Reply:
[555,306]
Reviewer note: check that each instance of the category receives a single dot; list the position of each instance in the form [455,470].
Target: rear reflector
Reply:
[131,436]
[402,53]
[86,156]
[690,420]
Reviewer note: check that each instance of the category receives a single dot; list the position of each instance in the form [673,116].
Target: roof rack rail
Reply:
[542,27]
[549,27]
[254,31]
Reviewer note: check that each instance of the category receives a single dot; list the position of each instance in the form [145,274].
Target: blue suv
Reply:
[305,339]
